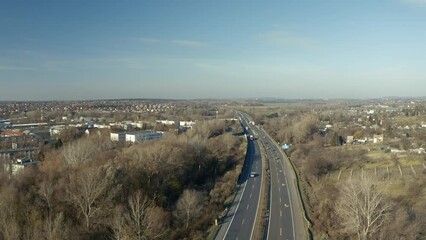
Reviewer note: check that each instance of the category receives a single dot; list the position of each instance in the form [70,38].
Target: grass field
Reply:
[383,165]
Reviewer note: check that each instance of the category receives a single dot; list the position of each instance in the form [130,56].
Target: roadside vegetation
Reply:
[362,165]
[92,188]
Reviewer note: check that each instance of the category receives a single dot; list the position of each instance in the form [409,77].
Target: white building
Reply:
[377,138]
[167,122]
[143,136]
[101,126]
[395,150]
[186,123]
[19,165]
[57,129]
[120,137]
[177,123]
[140,136]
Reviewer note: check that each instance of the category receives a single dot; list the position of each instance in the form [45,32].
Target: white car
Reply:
[253,174]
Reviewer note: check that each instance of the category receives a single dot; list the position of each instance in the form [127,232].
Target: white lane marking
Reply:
[248,205]
[251,194]
[252,186]
[279,189]
[236,210]
[281,231]
[281,213]
[280,199]
[291,209]
[242,222]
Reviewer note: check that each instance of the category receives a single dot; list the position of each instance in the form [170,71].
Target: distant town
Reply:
[202,150]
[25,127]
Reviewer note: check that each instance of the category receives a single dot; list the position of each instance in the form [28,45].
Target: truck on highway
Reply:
[253,137]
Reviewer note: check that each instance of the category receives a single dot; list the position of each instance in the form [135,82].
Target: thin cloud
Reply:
[179,42]
[29,68]
[288,39]
[415,2]
[18,68]
[207,66]
[189,43]
[149,40]
[104,63]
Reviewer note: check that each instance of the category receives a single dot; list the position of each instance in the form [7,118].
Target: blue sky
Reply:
[72,49]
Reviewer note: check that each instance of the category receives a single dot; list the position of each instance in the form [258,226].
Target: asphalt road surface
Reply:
[286,219]
[281,214]
[285,214]
[240,221]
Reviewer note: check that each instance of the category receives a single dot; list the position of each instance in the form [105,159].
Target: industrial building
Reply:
[139,136]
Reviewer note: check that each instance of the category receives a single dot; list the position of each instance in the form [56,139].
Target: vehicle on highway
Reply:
[253,174]
[253,137]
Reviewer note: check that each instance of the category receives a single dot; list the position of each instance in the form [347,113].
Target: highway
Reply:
[281,224]
[240,221]
[286,216]
[286,219]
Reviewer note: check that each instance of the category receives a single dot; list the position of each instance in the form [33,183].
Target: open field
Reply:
[384,166]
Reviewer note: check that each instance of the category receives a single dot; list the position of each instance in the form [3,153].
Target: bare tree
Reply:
[154,223]
[304,128]
[361,207]
[223,187]
[146,220]
[85,191]
[189,206]
[56,229]
[138,205]
[9,227]
[78,151]
[118,224]
[46,192]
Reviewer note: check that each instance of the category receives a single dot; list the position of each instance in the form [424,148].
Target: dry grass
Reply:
[415,161]
[394,190]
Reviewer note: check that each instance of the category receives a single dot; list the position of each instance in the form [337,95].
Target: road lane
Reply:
[240,220]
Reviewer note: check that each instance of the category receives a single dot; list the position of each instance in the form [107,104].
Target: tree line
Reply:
[91,188]
[361,207]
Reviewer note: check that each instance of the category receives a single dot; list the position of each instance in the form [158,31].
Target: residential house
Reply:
[377,138]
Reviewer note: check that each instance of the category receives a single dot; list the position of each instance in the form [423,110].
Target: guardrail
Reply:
[299,190]
[308,223]
[268,194]
[262,224]
[235,193]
